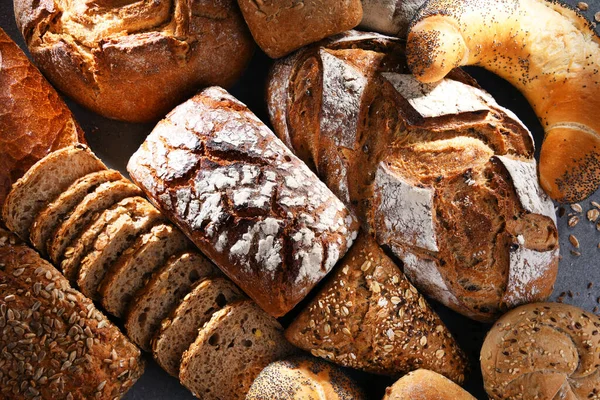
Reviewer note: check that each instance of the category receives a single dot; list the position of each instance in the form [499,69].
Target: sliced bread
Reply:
[100,199]
[116,238]
[231,350]
[48,219]
[136,265]
[163,292]
[179,331]
[43,183]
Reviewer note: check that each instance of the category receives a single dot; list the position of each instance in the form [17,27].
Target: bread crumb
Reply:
[582,6]
[574,241]
[597,16]
[575,253]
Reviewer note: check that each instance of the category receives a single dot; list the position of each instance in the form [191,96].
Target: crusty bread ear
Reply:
[549,52]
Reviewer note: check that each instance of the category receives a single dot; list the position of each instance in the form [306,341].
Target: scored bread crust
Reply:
[60,345]
[425,385]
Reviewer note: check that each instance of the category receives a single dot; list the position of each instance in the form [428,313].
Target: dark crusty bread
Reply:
[244,199]
[155,301]
[368,316]
[136,265]
[43,183]
[139,217]
[34,120]
[180,329]
[231,350]
[48,219]
[103,197]
[302,377]
[56,345]
[425,385]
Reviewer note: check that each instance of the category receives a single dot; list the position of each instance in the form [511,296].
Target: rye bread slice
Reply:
[136,265]
[43,183]
[139,218]
[231,350]
[48,219]
[102,198]
[163,292]
[179,331]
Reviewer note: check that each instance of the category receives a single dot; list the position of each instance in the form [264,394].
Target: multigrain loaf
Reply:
[134,61]
[368,316]
[303,377]
[46,222]
[135,266]
[180,329]
[163,292]
[139,217]
[244,199]
[34,121]
[440,173]
[231,350]
[43,183]
[56,345]
[425,385]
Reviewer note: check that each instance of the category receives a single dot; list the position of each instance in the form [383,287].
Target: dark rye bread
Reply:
[180,329]
[56,345]
[43,183]
[100,199]
[231,350]
[133,268]
[244,199]
[163,292]
[139,217]
[47,220]
[369,317]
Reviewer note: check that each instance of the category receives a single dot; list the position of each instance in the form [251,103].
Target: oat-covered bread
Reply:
[425,385]
[440,173]
[135,60]
[368,316]
[543,351]
[56,345]
[244,199]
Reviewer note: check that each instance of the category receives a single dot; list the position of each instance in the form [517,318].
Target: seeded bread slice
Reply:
[48,219]
[117,237]
[231,350]
[69,349]
[102,198]
[163,292]
[43,183]
[136,265]
[179,331]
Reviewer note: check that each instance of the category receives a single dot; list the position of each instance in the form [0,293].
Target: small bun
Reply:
[423,384]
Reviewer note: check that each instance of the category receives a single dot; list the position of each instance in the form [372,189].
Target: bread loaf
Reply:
[548,51]
[425,385]
[390,17]
[543,351]
[34,120]
[440,173]
[244,199]
[135,60]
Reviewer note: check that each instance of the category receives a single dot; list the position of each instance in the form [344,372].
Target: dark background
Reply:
[579,276]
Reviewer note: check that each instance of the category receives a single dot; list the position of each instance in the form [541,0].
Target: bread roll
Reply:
[425,385]
[543,351]
[548,51]
[440,173]
[135,60]
[390,17]
[34,120]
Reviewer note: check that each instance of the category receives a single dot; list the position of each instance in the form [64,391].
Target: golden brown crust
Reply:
[425,385]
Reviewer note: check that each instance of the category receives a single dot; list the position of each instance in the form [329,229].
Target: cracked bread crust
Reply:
[244,199]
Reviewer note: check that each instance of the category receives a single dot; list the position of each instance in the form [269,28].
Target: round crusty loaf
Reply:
[303,377]
[423,384]
[543,351]
[135,60]
[548,51]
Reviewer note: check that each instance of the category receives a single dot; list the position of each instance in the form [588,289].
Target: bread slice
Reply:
[102,198]
[163,292]
[116,238]
[369,317]
[136,265]
[57,345]
[179,331]
[231,350]
[46,222]
[43,183]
